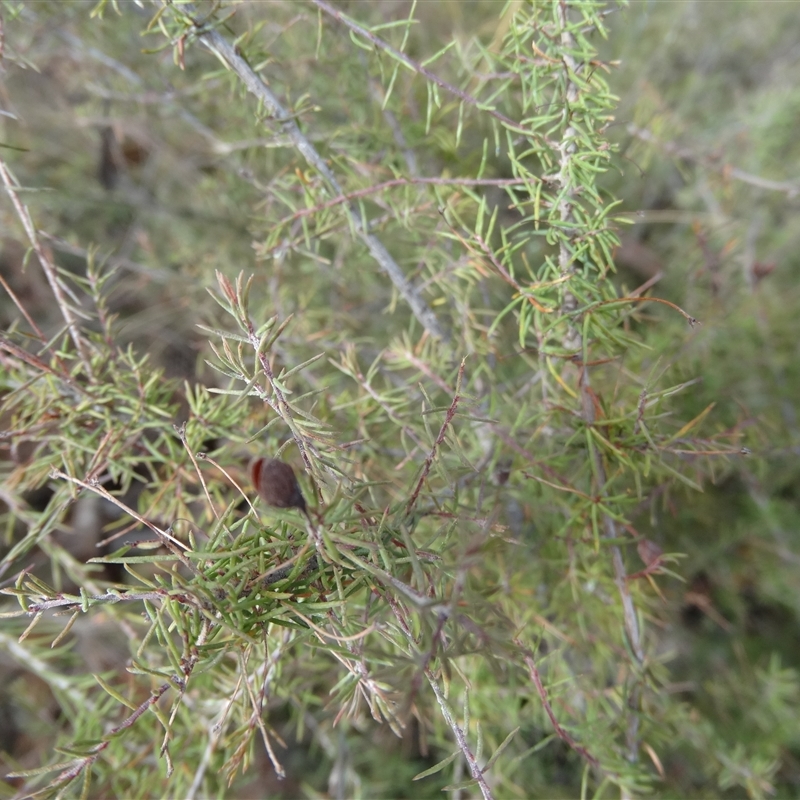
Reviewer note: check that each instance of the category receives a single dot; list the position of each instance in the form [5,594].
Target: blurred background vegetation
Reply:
[157,164]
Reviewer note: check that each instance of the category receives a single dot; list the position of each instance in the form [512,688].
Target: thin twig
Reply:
[181,431]
[391,120]
[37,363]
[461,739]
[426,73]
[451,412]
[567,149]
[533,671]
[459,734]
[77,601]
[36,329]
[379,187]
[257,717]
[379,399]
[789,188]
[169,541]
[218,45]
[49,268]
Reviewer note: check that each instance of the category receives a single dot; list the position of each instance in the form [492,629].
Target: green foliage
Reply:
[410,249]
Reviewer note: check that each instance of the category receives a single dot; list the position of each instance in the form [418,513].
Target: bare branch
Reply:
[461,738]
[218,45]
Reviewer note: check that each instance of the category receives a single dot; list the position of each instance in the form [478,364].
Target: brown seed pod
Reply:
[276,484]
